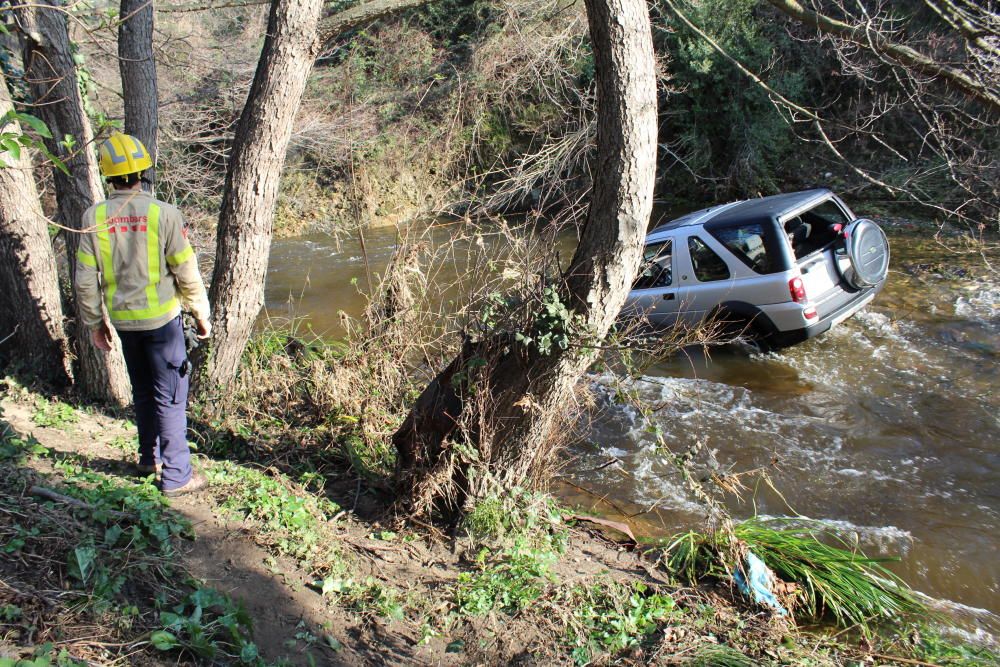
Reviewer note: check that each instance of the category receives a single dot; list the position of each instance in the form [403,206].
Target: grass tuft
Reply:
[836,579]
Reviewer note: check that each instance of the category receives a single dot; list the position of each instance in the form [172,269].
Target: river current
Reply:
[887,427]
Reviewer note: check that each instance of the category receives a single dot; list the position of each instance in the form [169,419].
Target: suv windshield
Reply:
[815,229]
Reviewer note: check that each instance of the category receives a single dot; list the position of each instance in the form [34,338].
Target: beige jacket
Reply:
[136,256]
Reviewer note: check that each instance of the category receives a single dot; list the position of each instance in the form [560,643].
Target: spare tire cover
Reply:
[868,250]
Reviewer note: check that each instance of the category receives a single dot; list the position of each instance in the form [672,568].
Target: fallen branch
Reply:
[49,494]
[607,523]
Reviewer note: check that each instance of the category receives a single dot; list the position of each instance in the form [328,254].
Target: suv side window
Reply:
[707,265]
[655,269]
[747,243]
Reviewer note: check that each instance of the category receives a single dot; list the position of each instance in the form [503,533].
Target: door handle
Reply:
[669,296]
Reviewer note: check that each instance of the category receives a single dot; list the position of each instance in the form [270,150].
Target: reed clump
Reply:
[832,578]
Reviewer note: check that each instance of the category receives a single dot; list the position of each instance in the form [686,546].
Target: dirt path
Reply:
[292,621]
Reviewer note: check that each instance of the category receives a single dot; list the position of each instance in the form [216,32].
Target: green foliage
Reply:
[44,655]
[134,533]
[836,578]
[12,142]
[931,646]
[209,625]
[148,524]
[721,656]
[614,616]
[14,448]
[554,325]
[54,414]
[455,22]
[366,597]
[290,517]
[730,132]
[518,519]
[509,583]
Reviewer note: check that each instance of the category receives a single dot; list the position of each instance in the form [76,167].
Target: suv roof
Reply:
[749,210]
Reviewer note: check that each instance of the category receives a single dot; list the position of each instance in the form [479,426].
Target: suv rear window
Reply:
[707,265]
[815,229]
[746,242]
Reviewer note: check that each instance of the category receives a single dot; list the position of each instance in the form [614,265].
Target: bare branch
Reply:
[904,55]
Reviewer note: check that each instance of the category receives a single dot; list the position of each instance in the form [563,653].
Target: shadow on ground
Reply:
[37,577]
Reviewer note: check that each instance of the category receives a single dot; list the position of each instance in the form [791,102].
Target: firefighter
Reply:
[137,260]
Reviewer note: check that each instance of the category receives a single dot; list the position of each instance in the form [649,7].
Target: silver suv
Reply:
[776,270]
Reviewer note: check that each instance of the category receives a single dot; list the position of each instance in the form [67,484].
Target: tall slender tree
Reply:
[51,75]
[485,424]
[138,72]
[31,318]
[294,37]
[251,190]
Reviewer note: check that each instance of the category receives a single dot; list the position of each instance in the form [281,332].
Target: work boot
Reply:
[146,469]
[196,483]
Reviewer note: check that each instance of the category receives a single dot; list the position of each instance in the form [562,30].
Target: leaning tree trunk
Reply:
[261,138]
[251,191]
[50,72]
[485,424]
[138,72]
[31,319]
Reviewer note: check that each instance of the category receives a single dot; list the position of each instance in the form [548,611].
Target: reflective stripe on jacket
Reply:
[137,257]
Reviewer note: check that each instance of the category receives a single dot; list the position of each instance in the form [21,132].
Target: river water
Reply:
[887,427]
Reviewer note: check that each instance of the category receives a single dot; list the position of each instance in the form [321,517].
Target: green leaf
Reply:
[35,124]
[11,146]
[456,646]
[163,640]
[112,534]
[81,562]
[333,642]
[249,653]
[334,585]
[57,163]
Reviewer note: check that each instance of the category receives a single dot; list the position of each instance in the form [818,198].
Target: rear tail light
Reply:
[797,290]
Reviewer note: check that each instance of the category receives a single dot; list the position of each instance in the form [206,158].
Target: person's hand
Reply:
[101,337]
[204,328]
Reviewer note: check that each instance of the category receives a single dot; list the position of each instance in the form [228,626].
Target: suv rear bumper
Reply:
[786,338]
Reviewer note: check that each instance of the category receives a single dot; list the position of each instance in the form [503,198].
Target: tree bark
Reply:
[251,190]
[986,93]
[500,398]
[138,72]
[50,73]
[31,319]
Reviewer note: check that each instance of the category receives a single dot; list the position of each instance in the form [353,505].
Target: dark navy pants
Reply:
[154,360]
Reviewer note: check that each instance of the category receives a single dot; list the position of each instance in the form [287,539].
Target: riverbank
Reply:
[274,564]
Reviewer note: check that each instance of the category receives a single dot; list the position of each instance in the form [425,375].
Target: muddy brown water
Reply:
[887,427]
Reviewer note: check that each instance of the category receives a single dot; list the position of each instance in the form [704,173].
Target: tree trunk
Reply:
[138,72]
[50,73]
[31,319]
[501,399]
[251,190]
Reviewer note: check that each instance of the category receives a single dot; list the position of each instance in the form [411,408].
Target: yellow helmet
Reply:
[123,154]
